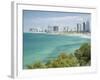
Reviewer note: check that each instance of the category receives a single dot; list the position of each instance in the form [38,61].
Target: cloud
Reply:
[65,18]
[58,19]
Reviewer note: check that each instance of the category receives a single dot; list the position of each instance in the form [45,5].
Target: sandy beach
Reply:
[83,35]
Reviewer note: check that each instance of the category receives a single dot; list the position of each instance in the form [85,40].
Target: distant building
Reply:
[87,26]
[55,28]
[84,27]
[80,27]
[67,29]
[77,28]
[50,29]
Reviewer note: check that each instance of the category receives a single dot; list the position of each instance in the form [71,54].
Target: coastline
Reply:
[82,35]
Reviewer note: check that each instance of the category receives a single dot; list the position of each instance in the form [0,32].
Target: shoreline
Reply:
[82,35]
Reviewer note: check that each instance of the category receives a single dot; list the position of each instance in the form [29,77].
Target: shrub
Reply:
[81,57]
[83,54]
[36,65]
[63,60]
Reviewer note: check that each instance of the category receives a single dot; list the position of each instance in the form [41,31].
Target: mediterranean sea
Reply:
[43,47]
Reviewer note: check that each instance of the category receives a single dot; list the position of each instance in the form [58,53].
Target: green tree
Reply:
[63,60]
[83,54]
[36,65]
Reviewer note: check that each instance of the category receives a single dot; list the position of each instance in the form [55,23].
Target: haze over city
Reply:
[43,19]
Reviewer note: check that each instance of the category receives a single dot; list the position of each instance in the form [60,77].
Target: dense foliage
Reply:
[81,57]
[63,60]
[83,54]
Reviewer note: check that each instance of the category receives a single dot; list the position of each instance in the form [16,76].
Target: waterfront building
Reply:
[84,27]
[77,27]
[55,28]
[87,26]
[50,29]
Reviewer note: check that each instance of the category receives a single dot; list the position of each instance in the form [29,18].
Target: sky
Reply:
[33,18]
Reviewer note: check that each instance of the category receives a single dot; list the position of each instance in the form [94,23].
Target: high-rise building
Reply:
[55,28]
[80,28]
[84,27]
[50,29]
[77,28]
[87,26]
[67,29]
[64,29]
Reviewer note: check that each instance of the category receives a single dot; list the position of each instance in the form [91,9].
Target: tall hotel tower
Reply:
[84,27]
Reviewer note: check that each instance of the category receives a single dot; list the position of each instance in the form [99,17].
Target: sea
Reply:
[43,47]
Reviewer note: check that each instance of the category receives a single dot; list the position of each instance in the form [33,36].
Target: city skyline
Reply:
[43,19]
[79,28]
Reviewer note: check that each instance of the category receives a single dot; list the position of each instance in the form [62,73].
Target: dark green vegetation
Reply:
[81,57]
[83,54]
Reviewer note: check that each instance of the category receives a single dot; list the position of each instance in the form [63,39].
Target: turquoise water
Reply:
[42,47]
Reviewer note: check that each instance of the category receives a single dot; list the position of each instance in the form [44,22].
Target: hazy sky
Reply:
[33,18]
